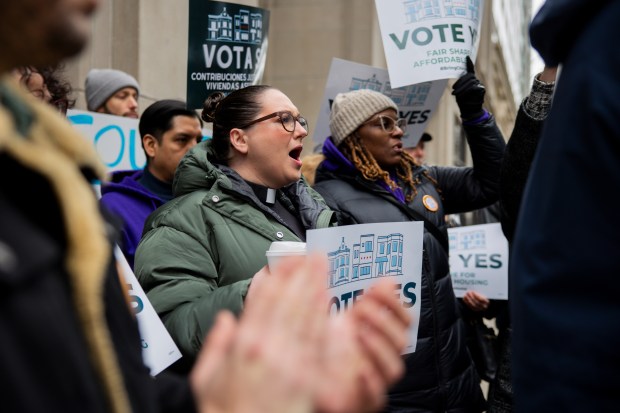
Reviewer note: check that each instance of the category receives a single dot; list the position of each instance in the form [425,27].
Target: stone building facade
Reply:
[148,39]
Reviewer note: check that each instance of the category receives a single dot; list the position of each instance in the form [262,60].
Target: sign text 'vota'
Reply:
[227,48]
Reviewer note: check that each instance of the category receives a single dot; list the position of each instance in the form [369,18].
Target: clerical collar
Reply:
[266,195]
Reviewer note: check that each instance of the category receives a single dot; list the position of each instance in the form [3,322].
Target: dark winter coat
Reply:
[564,268]
[68,340]
[518,158]
[440,375]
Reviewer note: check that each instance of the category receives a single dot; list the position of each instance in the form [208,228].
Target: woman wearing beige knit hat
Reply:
[367,177]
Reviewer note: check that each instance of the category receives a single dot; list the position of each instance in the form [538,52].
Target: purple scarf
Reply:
[335,161]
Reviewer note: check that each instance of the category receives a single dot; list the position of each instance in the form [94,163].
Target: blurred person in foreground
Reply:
[564,268]
[68,339]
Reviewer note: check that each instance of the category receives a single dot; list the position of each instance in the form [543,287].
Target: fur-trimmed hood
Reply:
[42,141]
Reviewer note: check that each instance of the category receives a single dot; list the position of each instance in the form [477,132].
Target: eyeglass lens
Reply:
[388,124]
[288,121]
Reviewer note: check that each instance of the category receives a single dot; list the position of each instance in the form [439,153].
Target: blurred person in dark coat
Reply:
[564,266]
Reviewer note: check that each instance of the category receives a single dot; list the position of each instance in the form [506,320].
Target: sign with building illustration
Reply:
[359,255]
[227,48]
[479,260]
[158,349]
[416,103]
[426,40]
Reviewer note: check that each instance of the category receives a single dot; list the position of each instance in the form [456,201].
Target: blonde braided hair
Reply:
[364,162]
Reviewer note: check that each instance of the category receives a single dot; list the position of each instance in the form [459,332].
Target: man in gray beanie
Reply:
[112,92]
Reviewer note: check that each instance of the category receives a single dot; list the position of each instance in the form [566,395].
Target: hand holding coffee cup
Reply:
[278,250]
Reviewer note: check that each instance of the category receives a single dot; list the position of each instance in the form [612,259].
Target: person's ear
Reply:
[149,142]
[238,140]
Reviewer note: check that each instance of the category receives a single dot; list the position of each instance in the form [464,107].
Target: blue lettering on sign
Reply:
[349,298]
[136,303]
[81,119]
[98,136]
[132,149]
[112,131]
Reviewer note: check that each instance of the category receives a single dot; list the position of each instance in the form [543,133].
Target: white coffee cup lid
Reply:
[287,247]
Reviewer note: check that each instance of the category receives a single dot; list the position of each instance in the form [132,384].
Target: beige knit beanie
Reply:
[351,109]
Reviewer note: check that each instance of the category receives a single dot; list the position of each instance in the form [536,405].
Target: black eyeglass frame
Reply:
[279,115]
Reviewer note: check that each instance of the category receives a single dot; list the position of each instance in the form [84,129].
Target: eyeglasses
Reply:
[287,120]
[388,123]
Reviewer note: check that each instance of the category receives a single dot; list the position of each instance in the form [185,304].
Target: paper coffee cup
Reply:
[279,249]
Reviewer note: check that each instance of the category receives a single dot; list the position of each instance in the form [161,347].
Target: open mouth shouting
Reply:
[295,154]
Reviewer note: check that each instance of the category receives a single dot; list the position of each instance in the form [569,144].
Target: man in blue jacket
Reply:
[565,279]
[168,130]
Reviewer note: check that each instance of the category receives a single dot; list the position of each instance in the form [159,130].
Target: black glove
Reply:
[469,93]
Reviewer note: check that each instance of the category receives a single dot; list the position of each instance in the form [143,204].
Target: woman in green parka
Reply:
[204,251]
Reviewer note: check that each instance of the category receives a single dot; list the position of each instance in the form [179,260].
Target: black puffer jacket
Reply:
[440,375]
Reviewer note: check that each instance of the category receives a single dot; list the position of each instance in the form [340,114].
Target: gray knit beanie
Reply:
[103,83]
[351,109]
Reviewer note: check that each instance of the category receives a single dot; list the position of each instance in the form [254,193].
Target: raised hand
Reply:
[469,93]
[286,354]
[269,360]
[362,353]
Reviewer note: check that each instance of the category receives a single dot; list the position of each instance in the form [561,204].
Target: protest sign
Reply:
[479,260]
[359,255]
[158,349]
[428,40]
[227,48]
[416,103]
[115,138]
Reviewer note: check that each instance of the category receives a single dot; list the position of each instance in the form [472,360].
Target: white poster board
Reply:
[115,138]
[428,40]
[158,349]
[360,254]
[479,260]
[416,103]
